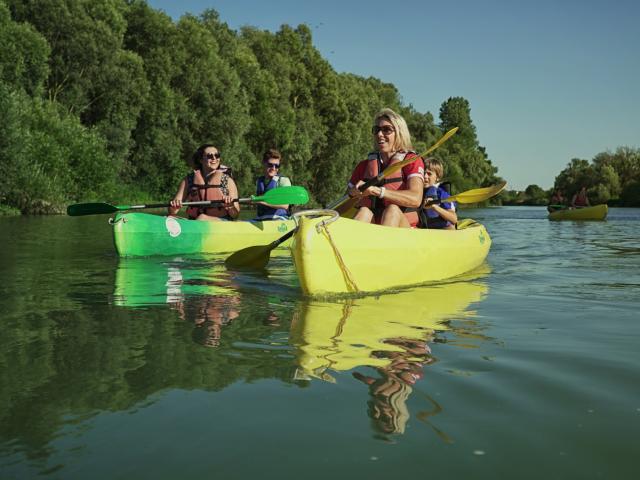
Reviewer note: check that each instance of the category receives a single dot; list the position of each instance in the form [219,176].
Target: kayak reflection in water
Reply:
[389,393]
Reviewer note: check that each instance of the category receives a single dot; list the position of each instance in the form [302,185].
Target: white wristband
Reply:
[382,189]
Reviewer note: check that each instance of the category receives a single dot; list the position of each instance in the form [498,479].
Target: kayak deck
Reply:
[143,234]
[347,256]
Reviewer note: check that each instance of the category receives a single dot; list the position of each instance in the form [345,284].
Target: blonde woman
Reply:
[395,202]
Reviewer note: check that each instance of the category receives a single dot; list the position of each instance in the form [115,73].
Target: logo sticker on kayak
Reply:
[481,238]
[173,226]
[282,228]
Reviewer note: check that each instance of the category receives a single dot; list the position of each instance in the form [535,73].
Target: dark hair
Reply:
[271,153]
[196,158]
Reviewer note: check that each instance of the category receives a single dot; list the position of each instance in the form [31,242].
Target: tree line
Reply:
[106,100]
[610,177]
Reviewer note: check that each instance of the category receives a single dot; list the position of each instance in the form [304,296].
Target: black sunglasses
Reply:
[272,165]
[385,129]
[211,156]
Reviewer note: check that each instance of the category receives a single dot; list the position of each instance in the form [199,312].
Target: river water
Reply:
[176,368]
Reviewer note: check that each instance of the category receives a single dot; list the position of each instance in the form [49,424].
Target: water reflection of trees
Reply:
[59,367]
[384,343]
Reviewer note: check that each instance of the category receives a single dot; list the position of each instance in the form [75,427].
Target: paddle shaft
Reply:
[282,239]
[292,195]
[187,204]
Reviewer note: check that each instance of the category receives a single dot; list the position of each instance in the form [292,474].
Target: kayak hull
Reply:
[597,212]
[347,256]
[143,234]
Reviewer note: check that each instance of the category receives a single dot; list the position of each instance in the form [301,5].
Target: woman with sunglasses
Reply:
[272,160]
[210,180]
[395,202]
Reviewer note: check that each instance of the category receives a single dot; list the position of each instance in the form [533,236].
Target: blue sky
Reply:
[547,81]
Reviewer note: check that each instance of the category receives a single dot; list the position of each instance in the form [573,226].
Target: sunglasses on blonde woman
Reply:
[385,129]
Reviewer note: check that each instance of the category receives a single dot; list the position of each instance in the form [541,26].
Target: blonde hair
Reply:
[403,137]
[435,165]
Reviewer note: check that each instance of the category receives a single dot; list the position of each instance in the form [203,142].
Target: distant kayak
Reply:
[143,234]
[597,212]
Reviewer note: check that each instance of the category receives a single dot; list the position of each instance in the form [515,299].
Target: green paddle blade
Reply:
[90,209]
[293,195]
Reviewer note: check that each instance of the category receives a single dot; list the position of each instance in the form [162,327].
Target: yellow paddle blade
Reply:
[256,257]
[477,194]
[252,258]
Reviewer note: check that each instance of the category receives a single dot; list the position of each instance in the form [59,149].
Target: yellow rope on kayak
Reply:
[351,283]
[323,226]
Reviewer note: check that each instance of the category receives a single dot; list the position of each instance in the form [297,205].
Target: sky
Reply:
[547,80]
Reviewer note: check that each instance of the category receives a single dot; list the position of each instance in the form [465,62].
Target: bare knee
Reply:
[394,217]
[364,215]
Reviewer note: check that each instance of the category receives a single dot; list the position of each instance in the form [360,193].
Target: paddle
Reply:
[293,195]
[256,257]
[346,202]
[475,195]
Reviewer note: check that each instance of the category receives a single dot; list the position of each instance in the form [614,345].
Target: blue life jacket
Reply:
[429,218]
[264,211]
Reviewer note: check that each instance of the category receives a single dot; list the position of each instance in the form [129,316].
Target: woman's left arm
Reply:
[411,197]
[233,209]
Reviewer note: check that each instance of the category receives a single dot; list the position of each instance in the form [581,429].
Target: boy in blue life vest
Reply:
[434,215]
[270,180]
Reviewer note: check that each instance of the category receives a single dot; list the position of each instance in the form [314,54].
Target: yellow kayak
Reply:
[339,255]
[597,212]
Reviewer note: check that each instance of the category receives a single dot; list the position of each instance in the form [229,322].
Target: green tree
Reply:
[23,55]
[47,157]
[90,73]
[467,165]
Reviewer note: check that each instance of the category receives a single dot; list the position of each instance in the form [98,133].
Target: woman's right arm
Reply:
[176,202]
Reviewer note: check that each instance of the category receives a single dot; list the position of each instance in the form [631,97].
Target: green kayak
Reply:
[143,234]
